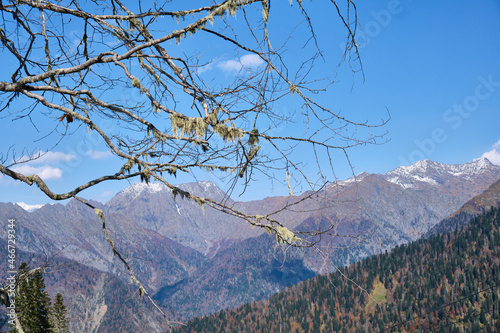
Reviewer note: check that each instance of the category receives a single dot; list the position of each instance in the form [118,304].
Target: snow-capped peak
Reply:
[483,162]
[431,172]
[204,188]
[28,208]
[207,185]
[136,189]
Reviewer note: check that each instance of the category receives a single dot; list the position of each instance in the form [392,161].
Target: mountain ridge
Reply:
[356,214]
[448,283]
[170,243]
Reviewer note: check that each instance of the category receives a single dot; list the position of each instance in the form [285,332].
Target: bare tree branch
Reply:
[76,63]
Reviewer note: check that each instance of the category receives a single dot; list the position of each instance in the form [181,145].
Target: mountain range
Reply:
[448,282]
[199,261]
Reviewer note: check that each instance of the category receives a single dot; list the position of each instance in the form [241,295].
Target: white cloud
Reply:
[44,171]
[40,166]
[251,60]
[98,155]
[205,68]
[50,157]
[494,154]
[246,61]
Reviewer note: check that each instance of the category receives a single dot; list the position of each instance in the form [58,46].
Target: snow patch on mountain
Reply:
[472,168]
[136,189]
[207,186]
[178,210]
[396,180]
[203,188]
[29,208]
[349,181]
[430,172]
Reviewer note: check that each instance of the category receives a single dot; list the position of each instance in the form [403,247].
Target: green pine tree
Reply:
[59,320]
[32,302]
[21,298]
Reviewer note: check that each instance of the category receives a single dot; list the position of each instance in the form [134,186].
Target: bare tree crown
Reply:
[74,62]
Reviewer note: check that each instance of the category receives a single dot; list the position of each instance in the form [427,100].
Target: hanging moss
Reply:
[199,201]
[181,14]
[128,165]
[228,133]
[285,235]
[253,140]
[252,153]
[188,126]
[212,116]
[136,83]
[177,191]
[99,213]
[232,8]
[172,170]
[146,175]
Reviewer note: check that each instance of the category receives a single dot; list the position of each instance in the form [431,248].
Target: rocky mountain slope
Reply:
[153,207]
[475,206]
[187,255]
[73,231]
[397,207]
[447,283]
[96,301]
[247,271]
[382,211]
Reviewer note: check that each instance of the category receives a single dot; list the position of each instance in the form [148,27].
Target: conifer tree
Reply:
[59,320]
[32,302]
[21,294]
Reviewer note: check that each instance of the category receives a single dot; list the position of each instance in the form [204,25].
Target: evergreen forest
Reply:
[33,305]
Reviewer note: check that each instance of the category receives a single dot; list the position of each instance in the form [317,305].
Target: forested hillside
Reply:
[447,283]
[96,301]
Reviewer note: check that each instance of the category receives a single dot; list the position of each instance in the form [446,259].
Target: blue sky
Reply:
[433,65]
